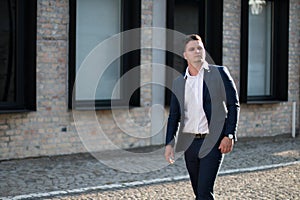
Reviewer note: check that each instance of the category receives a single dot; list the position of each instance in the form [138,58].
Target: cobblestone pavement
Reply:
[269,184]
[66,173]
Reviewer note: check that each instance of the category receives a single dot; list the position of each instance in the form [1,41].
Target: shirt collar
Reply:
[204,66]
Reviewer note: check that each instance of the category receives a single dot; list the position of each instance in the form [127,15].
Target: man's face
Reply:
[194,52]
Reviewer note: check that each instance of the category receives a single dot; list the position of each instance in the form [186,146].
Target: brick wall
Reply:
[146,54]
[51,129]
[47,131]
[294,57]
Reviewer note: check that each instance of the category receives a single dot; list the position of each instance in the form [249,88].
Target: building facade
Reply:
[45,43]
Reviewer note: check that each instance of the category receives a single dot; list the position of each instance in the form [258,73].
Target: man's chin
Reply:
[200,62]
[200,59]
[197,65]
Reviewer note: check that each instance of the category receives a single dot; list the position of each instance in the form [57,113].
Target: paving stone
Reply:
[47,174]
[278,183]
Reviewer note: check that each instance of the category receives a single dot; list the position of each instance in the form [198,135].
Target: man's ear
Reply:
[184,55]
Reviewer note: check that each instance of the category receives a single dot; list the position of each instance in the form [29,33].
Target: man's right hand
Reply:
[169,154]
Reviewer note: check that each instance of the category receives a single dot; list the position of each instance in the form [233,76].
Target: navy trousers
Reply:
[203,172]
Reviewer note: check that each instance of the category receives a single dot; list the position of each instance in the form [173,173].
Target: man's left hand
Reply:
[226,145]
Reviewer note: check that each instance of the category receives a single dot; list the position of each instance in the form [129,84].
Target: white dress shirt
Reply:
[195,119]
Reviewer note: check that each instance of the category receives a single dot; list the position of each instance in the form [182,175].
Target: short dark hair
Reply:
[191,37]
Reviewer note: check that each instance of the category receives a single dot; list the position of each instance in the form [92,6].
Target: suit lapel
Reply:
[182,96]
[206,80]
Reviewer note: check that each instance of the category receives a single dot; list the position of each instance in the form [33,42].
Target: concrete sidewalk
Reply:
[74,173]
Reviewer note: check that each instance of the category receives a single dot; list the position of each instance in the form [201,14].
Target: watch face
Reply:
[230,136]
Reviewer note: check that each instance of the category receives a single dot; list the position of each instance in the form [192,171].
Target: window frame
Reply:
[130,19]
[25,59]
[279,55]
[212,34]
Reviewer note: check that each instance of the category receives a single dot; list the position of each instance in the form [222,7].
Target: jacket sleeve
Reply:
[232,103]
[173,119]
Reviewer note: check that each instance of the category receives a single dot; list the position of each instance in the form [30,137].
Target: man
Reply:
[204,110]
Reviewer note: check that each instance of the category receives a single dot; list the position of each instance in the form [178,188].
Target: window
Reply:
[17,55]
[259,52]
[194,16]
[264,53]
[91,22]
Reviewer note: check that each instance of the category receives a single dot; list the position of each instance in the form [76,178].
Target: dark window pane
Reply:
[112,17]
[7,49]
[259,52]
[96,21]
[186,21]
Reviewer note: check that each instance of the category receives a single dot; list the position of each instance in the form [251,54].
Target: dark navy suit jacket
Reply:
[220,104]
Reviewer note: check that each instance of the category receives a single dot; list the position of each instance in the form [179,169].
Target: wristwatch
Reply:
[230,136]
